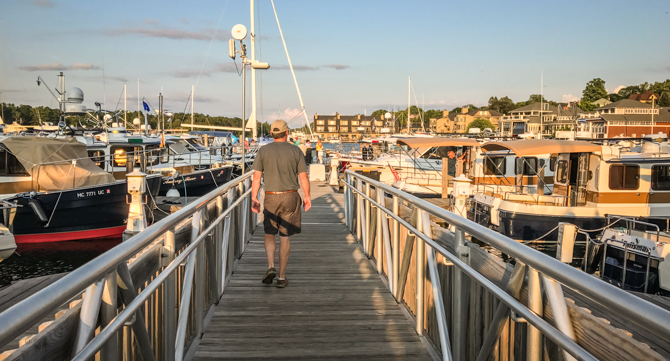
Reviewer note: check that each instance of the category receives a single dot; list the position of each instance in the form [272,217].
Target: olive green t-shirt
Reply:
[280,162]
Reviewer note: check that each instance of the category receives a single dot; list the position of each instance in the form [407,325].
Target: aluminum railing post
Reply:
[184,305]
[169,304]
[347,202]
[395,240]
[438,302]
[534,336]
[108,311]
[368,221]
[559,309]
[420,276]
[128,294]
[220,251]
[460,300]
[359,206]
[197,224]
[88,316]
[386,237]
[378,231]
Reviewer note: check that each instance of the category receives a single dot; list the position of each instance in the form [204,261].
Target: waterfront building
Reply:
[624,118]
[350,127]
[527,119]
[457,122]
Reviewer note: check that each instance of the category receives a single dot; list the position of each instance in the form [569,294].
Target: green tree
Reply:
[503,105]
[480,123]
[588,106]
[664,101]
[594,90]
[378,113]
[432,113]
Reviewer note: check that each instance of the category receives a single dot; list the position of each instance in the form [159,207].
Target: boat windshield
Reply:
[195,144]
[181,146]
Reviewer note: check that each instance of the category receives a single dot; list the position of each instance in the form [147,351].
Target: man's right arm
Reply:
[255,187]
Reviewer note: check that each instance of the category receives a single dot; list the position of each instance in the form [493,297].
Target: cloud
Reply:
[338,66]
[174,34]
[293,116]
[44,3]
[616,90]
[569,98]
[59,67]
[295,67]
[192,73]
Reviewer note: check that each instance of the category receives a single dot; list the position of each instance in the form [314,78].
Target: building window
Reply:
[354,122]
[319,129]
[332,129]
[344,129]
[344,122]
[494,166]
[319,122]
[332,122]
[528,165]
[624,176]
[366,123]
[660,177]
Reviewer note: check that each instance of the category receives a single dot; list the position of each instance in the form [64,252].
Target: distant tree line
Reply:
[27,115]
[593,91]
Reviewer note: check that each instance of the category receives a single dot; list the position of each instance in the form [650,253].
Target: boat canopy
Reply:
[530,147]
[49,162]
[438,142]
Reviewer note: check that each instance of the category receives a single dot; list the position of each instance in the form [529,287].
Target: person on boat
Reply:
[302,147]
[281,164]
[452,161]
[308,152]
[297,142]
[319,151]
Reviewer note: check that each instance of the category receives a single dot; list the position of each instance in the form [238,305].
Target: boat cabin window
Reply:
[495,166]
[98,157]
[527,164]
[121,155]
[9,165]
[624,176]
[660,177]
[562,171]
[552,163]
[441,152]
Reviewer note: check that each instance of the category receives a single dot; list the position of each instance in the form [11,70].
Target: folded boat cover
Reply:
[49,162]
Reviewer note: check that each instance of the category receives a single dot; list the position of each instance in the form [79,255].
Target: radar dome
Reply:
[136,121]
[75,95]
[107,117]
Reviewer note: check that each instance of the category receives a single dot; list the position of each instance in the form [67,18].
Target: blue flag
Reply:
[146,106]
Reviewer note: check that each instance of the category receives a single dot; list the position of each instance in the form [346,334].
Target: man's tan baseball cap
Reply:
[278,126]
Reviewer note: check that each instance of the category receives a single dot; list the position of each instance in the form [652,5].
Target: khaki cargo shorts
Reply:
[281,213]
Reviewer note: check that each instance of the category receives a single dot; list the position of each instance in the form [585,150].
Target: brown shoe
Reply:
[282,283]
[269,276]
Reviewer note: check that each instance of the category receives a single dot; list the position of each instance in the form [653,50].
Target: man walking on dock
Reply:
[281,164]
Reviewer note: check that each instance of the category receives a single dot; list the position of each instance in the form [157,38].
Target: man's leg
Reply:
[284,252]
[270,248]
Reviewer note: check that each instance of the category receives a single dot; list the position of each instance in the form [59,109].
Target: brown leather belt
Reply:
[266,192]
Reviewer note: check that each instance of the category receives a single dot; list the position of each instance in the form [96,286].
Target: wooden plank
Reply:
[335,306]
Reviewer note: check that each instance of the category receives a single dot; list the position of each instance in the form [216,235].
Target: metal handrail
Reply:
[20,317]
[643,313]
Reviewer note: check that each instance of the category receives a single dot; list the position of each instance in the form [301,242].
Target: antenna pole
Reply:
[138,98]
[252,33]
[409,91]
[125,107]
[192,100]
[541,102]
[244,111]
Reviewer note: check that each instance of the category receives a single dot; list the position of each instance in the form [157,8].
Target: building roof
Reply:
[625,103]
[530,147]
[438,142]
[663,116]
[643,96]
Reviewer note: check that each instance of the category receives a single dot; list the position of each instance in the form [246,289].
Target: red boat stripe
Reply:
[70,236]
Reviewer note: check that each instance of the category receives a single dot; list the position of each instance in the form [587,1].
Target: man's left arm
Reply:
[304,183]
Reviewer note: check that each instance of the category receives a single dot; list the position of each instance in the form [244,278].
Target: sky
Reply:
[351,57]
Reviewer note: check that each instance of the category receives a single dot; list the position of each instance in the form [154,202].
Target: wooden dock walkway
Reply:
[335,307]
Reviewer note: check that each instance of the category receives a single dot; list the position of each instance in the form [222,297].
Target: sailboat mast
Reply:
[125,107]
[192,100]
[409,91]
[252,32]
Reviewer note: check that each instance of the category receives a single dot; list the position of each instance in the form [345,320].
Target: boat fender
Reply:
[38,209]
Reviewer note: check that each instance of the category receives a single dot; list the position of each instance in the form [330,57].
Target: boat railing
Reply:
[631,223]
[150,296]
[626,250]
[375,213]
